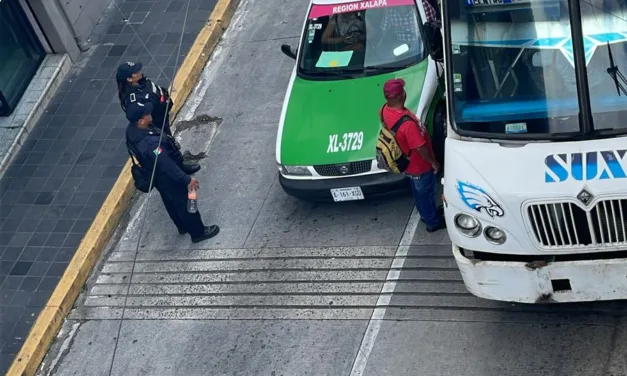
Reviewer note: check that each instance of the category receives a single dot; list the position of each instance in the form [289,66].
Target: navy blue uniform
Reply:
[148,91]
[169,180]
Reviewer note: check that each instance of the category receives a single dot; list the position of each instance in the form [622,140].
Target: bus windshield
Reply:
[373,35]
[513,69]
[604,24]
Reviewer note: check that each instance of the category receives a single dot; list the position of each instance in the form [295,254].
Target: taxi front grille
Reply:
[566,225]
[344,169]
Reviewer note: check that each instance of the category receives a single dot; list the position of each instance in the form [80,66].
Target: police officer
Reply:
[169,179]
[134,87]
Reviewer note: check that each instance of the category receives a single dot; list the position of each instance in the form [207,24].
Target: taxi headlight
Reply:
[495,235]
[295,170]
[467,225]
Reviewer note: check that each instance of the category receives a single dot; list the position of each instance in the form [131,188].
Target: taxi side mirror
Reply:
[435,43]
[287,50]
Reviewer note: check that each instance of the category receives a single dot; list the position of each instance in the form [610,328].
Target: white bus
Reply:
[535,183]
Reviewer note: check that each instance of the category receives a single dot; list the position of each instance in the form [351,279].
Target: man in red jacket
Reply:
[413,139]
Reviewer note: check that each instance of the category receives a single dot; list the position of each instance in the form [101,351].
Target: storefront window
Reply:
[20,55]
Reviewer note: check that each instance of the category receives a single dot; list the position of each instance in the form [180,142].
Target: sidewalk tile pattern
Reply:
[58,181]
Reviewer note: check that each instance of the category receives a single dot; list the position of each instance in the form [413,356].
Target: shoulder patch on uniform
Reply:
[158,150]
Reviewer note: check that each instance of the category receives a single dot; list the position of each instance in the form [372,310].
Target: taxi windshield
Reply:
[361,37]
[513,68]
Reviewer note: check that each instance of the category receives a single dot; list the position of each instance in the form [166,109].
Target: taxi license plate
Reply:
[347,194]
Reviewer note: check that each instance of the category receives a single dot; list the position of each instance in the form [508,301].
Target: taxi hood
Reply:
[337,121]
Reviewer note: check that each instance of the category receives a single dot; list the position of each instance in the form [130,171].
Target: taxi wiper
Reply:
[382,69]
[616,74]
[338,73]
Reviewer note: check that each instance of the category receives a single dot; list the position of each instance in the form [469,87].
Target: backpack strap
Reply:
[398,124]
[401,121]
[132,154]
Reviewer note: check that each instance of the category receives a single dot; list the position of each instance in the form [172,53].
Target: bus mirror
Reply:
[287,50]
[434,40]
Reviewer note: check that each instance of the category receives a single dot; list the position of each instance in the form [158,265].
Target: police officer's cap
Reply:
[127,69]
[137,111]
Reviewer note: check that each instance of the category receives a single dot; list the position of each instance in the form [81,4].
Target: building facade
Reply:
[30,29]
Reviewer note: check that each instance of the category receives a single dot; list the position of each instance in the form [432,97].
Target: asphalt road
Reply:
[289,287]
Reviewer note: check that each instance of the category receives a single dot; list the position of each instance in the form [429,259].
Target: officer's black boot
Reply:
[191,168]
[210,232]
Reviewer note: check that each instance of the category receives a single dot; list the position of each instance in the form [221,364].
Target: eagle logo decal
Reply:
[479,200]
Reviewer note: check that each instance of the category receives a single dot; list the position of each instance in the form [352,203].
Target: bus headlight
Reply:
[495,235]
[468,225]
[295,170]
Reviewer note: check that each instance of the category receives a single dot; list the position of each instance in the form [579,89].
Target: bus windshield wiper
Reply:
[616,74]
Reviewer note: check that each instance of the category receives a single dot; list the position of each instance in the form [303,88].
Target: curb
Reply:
[51,318]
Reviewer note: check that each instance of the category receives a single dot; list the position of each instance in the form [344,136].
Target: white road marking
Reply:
[376,320]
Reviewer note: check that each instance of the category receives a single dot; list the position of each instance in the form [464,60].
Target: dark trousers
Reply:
[174,198]
[424,188]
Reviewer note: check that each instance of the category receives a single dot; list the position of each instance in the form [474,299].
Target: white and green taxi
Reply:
[329,123]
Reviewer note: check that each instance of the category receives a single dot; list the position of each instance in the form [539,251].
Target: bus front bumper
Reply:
[555,282]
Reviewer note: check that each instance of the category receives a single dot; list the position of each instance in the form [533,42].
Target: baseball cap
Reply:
[394,87]
[127,69]
[138,110]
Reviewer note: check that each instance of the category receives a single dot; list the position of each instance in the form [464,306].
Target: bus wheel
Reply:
[439,132]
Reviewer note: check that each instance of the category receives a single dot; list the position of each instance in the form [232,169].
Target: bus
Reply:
[535,177]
